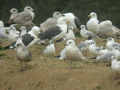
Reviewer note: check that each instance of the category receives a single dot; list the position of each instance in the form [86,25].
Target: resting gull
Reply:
[71,51]
[27,39]
[112,44]
[25,17]
[105,28]
[50,22]
[9,33]
[85,33]
[115,64]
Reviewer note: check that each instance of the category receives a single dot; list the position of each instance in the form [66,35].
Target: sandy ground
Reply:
[49,73]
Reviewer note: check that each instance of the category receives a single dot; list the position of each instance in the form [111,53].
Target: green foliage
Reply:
[106,9]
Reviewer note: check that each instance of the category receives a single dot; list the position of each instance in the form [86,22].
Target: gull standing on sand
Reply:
[23,55]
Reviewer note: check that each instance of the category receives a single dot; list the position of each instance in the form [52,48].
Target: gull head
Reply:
[57,14]
[35,30]
[110,39]
[28,8]
[82,26]
[92,15]
[13,11]
[19,45]
[70,43]
[91,42]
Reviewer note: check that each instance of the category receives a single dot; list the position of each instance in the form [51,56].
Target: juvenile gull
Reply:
[50,22]
[25,17]
[14,13]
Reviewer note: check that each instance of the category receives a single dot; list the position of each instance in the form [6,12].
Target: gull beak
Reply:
[89,16]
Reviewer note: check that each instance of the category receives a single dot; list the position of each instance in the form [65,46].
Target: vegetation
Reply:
[106,9]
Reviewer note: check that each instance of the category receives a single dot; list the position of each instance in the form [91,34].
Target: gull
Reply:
[70,34]
[55,33]
[105,28]
[23,30]
[93,22]
[112,44]
[74,20]
[104,55]
[31,37]
[85,33]
[115,64]
[50,22]
[71,51]
[2,30]
[23,55]
[9,33]
[14,13]
[25,17]
[93,48]
[28,39]
[49,50]
[83,45]
[12,33]
[1,23]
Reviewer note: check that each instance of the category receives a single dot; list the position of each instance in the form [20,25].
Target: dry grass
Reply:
[49,73]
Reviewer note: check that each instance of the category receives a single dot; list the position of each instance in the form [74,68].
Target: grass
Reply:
[49,73]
